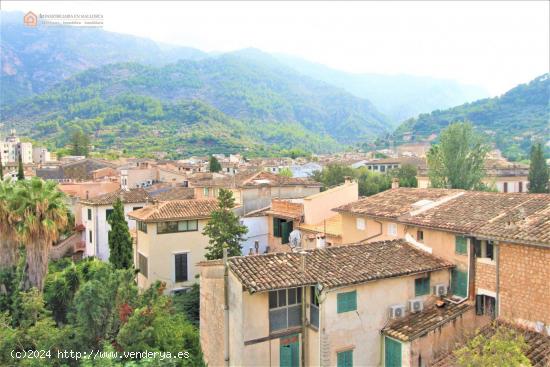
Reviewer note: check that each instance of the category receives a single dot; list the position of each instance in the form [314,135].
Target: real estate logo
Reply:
[30,19]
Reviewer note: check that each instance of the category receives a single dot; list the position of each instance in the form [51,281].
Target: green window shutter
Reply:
[459,283]
[286,228]
[392,353]
[276,228]
[345,359]
[461,245]
[421,286]
[346,301]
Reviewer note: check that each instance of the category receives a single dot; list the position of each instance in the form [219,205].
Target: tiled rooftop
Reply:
[395,202]
[137,195]
[415,325]
[247,179]
[538,350]
[331,226]
[175,210]
[334,266]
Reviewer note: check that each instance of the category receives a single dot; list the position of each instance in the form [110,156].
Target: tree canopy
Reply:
[538,170]
[214,165]
[120,241]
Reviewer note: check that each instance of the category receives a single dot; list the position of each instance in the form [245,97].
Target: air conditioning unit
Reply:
[397,311]
[416,305]
[440,290]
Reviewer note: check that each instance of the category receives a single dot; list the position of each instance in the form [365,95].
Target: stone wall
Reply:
[485,276]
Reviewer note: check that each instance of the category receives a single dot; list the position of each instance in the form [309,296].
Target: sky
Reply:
[493,44]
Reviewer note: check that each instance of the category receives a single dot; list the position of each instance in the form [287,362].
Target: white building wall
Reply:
[257,231]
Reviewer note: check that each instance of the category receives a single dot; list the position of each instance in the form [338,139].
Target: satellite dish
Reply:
[295,238]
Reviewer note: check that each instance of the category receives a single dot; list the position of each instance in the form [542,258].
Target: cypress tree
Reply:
[214,165]
[538,170]
[20,171]
[120,241]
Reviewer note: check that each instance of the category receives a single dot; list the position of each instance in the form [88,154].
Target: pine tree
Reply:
[538,170]
[214,164]
[20,171]
[120,241]
[224,229]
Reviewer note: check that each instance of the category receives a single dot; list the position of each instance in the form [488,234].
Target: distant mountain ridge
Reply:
[512,121]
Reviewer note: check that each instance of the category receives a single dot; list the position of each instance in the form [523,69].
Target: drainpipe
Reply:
[304,338]
[225,308]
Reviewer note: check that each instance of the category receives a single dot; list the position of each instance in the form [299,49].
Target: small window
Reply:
[344,359]
[360,223]
[285,308]
[143,265]
[420,235]
[108,213]
[314,307]
[142,226]
[485,305]
[89,214]
[505,187]
[392,229]
[520,187]
[205,191]
[181,267]
[421,286]
[346,302]
[461,245]
[90,236]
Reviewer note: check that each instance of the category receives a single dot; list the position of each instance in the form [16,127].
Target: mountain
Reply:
[512,121]
[35,59]
[397,96]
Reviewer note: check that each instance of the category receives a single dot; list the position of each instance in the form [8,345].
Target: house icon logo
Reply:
[30,19]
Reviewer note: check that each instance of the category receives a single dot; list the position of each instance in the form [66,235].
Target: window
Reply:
[180,267]
[505,187]
[459,283]
[344,359]
[108,213]
[461,245]
[205,191]
[346,302]
[282,229]
[285,309]
[422,286]
[89,214]
[143,265]
[392,229]
[490,250]
[142,226]
[420,235]
[90,236]
[179,226]
[360,223]
[314,307]
[520,187]
[136,208]
[382,168]
[485,305]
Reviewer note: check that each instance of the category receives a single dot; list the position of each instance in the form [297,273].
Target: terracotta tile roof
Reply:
[395,202]
[538,350]
[172,193]
[415,325]
[175,210]
[137,195]
[247,179]
[334,266]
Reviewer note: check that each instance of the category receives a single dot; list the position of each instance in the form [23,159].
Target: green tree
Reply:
[458,161]
[214,165]
[120,241]
[224,229]
[1,168]
[333,174]
[538,170]
[80,143]
[8,220]
[189,304]
[20,170]
[371,183]
[504,348]
[406,175]
[285,172]
[43,212]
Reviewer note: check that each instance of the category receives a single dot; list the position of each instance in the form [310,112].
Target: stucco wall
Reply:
[161,249]
[375,230]
[258,230]
[319,206]
[211,315]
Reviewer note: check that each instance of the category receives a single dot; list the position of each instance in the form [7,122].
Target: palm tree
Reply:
[43,215]
[8,221]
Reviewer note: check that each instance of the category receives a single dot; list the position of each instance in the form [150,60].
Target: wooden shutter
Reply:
[422,286]
[392,352]
[346,301]
[181,267]
[286,228]
[460,245]
[460,283]
[276,227]
[345,359]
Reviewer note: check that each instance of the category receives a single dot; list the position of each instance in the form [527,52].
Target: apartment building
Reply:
[169,241]
[12,148]
[325,307]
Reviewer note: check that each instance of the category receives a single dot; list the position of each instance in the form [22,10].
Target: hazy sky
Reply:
[493,44]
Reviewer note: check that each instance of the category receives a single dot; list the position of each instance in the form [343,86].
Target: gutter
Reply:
[225,308]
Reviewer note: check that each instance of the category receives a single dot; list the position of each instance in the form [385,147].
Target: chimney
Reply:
[320,241]
[395,183]
[257,247]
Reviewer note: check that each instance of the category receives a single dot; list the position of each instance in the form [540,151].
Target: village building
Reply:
[95,212]
[323,307]
[169,242]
